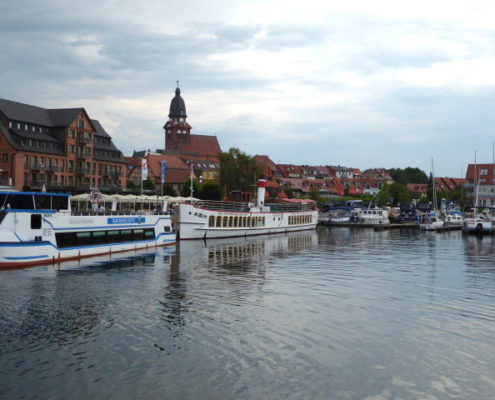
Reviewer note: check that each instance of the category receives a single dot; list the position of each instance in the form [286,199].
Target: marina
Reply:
[326,313]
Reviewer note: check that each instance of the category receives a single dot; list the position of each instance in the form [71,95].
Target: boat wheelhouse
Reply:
[39,228]
[216,219]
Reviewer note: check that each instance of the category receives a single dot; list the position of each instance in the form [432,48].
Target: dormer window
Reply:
[10,124]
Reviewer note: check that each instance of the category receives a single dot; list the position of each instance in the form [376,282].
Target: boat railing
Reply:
[245,207]
[110,213]
[222,205]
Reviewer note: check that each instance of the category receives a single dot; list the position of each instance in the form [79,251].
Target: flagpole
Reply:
[191,187]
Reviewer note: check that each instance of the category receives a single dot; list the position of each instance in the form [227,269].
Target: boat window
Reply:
[99,237]
[20,201]
[149,233]
[126,235]
[42,202]
[113,236]
[35,221]
[219,222]
[167,228]
[225,221]
[231,221]
[60,203]
[138,234]
[211,221]
[236,222]
[83,238]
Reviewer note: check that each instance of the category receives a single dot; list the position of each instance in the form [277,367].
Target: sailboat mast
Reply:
[433,186]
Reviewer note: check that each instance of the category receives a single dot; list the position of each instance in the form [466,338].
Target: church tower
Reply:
[177,130]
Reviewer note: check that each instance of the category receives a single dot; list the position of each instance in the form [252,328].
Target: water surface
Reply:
[331,314]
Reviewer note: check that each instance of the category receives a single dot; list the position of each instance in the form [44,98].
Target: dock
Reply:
[383,227]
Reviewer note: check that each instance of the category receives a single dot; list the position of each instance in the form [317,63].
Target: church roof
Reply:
[177,106]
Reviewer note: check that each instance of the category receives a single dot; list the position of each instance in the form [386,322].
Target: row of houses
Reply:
[65,149]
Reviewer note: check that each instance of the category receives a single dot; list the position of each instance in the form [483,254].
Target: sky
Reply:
[363,84]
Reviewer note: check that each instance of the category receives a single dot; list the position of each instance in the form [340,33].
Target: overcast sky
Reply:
[356,83]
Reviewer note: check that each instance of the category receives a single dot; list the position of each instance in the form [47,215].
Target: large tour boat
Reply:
[216,219]
[39,228]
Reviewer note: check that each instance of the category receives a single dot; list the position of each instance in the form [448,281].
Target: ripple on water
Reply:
[351,313]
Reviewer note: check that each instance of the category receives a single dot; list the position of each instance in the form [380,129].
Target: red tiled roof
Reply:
[204,145]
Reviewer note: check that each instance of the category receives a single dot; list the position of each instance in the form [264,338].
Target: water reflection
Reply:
[333,313]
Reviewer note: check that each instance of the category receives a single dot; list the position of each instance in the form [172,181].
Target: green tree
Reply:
[314,194]
[408,175]
[168,190]
[148,184]
[210,191]
[131,185]
[238,171]
[384,196]
[400,194]
[186,188]
[289,192]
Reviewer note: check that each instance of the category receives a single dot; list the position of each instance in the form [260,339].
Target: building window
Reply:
[10,124]
[18,125]
[80,124]
[5,157]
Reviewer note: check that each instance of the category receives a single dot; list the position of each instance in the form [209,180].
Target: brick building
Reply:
[58,149]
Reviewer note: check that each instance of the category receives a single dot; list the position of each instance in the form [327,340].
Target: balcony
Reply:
[83,155]
[83,171]
[84,140]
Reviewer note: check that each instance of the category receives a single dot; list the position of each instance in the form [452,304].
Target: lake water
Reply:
[329,314]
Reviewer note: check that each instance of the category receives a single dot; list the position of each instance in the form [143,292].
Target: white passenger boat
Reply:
[40,228]
[216,219]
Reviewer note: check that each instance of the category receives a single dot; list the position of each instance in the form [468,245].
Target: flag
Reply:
[164,170]
[144,169]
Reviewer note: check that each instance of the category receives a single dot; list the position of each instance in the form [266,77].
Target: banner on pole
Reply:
[164,170]
[144,169]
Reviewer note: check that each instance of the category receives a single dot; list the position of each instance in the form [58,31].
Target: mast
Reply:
[433,186]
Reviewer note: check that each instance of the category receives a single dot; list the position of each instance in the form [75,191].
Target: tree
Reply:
[168,190]
[400,194]
[131,185]
[384,196]
[148,184]
[210,191]
[186,188]
[289,192]
[314,194]
[408,175]
[238,171]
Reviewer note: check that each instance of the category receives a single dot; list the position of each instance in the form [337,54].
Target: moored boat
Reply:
[216,219]
[40,228]
[454,218]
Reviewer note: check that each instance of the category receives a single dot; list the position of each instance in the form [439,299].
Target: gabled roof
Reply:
[203,145]
[25,113]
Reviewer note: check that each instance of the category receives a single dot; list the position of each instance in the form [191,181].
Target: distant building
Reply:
[481,178]
[57,149]
[182,149]
[178,137]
